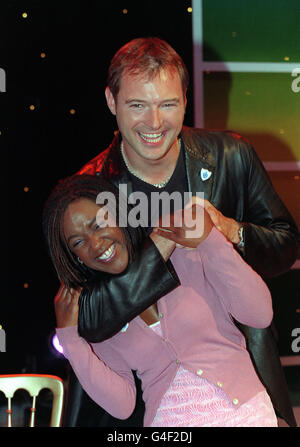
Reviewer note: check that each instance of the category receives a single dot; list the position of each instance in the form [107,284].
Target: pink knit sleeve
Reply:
[113,389]
[241,290]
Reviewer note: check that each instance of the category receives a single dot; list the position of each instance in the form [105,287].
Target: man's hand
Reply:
[66,306]
[229,227]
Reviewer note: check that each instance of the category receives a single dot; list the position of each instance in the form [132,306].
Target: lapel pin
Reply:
[205,174]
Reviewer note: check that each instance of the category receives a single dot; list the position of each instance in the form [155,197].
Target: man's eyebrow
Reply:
[171,100]
[128,101]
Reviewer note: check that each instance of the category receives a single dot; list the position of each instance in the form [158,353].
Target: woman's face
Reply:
[102,249]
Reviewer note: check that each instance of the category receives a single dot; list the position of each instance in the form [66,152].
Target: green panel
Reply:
[261,106]
[251,30]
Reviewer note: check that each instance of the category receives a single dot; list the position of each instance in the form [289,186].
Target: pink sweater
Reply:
[198,333]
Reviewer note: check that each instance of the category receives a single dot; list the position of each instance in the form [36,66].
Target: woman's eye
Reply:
[76,244]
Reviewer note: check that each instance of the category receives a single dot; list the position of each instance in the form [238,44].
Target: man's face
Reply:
[149,114]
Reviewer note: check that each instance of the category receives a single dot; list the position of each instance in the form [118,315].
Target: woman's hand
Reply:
[187,227]
[66,306]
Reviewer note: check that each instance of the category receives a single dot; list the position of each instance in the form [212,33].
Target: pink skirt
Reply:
[192,401]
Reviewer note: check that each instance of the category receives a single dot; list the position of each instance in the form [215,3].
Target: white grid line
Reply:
[282,165]
[296,265]
[251,67]
[290,360]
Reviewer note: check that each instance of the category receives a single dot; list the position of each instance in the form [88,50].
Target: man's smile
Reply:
[152,137]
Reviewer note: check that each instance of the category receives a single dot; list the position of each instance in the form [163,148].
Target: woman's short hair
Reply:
[146,55]
[66,264]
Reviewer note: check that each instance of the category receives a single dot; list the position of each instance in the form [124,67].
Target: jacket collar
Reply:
[199,162]
[113,167]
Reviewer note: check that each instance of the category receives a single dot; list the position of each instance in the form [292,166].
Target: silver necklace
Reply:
[157,185]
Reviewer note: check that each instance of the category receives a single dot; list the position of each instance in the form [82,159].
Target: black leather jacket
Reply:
[240,188]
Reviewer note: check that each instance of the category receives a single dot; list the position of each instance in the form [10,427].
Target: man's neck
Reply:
[154,171]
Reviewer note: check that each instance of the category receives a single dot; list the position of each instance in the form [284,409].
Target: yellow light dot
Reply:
[26,285]
[31,107]
[233,33]
[43,55]
[286,58]
[297,177]
[125,11]
[24,15]
[72,111]
[281,131]
[247,92]
[26,189]
[190,9]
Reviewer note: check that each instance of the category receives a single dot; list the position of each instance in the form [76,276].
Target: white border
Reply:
[198,62]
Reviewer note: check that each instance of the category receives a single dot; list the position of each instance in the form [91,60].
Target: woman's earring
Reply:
[79,260]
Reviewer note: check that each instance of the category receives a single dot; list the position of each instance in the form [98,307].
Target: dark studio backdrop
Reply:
[53,119]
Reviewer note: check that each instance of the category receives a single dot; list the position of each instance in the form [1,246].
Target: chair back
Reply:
[33,384]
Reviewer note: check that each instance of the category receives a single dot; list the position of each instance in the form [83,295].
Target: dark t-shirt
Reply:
[157,204]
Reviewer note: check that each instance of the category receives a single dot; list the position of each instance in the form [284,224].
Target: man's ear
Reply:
[110,100]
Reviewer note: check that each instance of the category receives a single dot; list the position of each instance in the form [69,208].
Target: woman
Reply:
[187,351]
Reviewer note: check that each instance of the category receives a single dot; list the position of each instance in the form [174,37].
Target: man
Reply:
[153,151]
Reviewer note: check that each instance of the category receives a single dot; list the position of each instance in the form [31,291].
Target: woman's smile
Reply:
[108,254]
